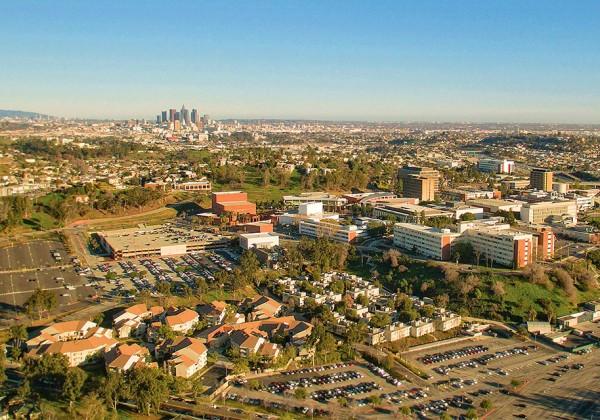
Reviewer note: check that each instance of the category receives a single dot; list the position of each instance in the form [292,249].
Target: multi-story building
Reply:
[201,185]
[329,202]
[424,240]
[505,247]
[330,229]
[420,182]
[232,202]
[421,327]
[265,240]
[184,356]
[543,212]
[541,179]
[181,320]
[405,212]
[544,239]
[496,166]
[446,321]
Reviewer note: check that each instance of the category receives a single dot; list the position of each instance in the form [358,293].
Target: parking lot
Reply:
[520,379]
[37,254]
[39,265]
[144,274]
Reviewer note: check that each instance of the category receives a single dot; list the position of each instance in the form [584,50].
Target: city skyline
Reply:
[510,62]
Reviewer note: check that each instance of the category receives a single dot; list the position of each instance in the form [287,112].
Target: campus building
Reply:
[496,166]
[424,240]
[259,240]
[505,247]
[330,229]
[420,182]
[202,185]
[329,202]
[541,179]
[234,202]
[538,213]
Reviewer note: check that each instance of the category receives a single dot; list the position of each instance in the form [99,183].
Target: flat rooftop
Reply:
[156,237]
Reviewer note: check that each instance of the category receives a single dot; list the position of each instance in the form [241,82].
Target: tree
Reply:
[356,332]
[515,383]
[91,407]
[51,368]
[115,388]
[149,389]
[463,252]
[300,393]
[380,320]
[466,217]
[566,282]
[18,333]
[74,380]
[24,390]
[471,413]
[40,301]
[486,404]
[2,365]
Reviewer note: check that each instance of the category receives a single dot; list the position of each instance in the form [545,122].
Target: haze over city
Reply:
[511,61]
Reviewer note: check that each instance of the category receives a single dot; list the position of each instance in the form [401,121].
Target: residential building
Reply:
[77,352]
[126,356]
[181,320]
[184,356]
[421,327]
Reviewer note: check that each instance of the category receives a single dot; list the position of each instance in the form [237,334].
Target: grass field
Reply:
[257,192]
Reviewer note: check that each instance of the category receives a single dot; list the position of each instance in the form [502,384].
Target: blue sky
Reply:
[445,60]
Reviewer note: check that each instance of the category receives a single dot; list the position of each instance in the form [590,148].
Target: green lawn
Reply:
[40,221]
[253,185]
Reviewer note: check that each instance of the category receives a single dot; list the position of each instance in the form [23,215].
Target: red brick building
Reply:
[235,202]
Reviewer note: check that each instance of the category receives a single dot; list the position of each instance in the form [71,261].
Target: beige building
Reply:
[541,179]
[539,213]
[421,327]
[420,182]
[447,321]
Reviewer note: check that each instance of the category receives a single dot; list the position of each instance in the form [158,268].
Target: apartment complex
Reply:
[420,182]
[537,213]
[541,179]
[424,240]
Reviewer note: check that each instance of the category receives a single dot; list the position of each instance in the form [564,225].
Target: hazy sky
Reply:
[450,60]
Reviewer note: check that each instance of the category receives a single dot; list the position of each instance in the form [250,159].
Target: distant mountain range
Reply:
[9,113]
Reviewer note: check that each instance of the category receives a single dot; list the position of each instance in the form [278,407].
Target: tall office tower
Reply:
[541,179]
[195,116]
[185,115]
[206,119]
[164,116]
[158,119]
[177,116]
[420,182]
[172,113]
